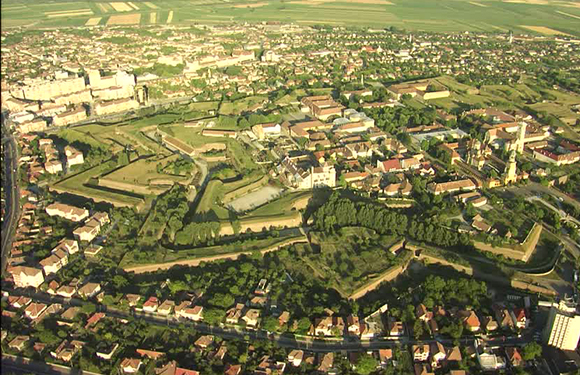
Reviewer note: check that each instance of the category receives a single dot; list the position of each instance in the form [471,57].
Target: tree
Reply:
[270,324]
[531,351]
[366,364]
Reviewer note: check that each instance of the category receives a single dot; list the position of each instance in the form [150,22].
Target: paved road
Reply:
[560,212]
[19,365]
[290,342]
[534,188]
[10,164]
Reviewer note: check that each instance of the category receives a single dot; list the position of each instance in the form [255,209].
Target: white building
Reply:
[27,276]
[563,328]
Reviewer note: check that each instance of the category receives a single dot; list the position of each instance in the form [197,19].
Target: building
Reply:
[267,130]
[53,166]
[450,187]
[115,106]
[66,211]
[36,125]
[88,232]
[27,276]
[70,117]
[73,156]
[563,327]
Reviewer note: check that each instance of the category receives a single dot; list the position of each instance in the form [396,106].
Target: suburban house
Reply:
[151,304]
[130,365]
[89,290]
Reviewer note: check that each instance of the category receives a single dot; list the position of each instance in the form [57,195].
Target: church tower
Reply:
[510,170]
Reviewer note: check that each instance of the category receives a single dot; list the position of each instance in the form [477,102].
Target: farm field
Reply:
[549,17]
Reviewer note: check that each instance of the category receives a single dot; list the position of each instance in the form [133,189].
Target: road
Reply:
[560,212]
[10,165]
[19,365]
[534,188]
[284,341]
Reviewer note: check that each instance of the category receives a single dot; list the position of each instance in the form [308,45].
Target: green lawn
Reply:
[77,185]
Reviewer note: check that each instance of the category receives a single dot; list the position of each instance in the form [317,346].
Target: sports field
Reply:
[543,17]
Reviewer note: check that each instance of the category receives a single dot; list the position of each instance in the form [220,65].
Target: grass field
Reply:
[78,185]
[545,17]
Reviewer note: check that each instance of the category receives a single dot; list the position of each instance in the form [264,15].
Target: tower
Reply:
[511,37]
[510,170]
[521,136]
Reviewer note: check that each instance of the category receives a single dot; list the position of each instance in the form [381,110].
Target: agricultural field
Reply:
[540,17]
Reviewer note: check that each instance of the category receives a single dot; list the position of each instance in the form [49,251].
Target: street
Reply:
[10,165]
[285,341]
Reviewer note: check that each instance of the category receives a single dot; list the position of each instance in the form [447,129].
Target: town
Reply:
[277,198]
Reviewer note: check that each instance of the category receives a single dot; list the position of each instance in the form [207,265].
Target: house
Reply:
[67,316]
[420,352]
[326,363]
[34,310]
[172,369]
[26,276]
[489,324]
[283,318]
[514,356]
[89,290]
[19,302]
[151,304]
[219,354]
[66,291]
[454,354]
[295,357]
[151,354]
[421,313]
[166,307]
[519,317]
[130,365]
[396,328]
[88,232]
[18,343]
[385,356]
[132,299]
[94,319]
[233,369]
[353,325]
[422,369]
[329,326]
[251,317]
[194,313]
[504,319]
[389,166]
[105,350]
[472,322]
[437,354]
[54,262]
[234,314]
[67,350]
[269,366]
[263,288]
[204,341]
[73,156]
